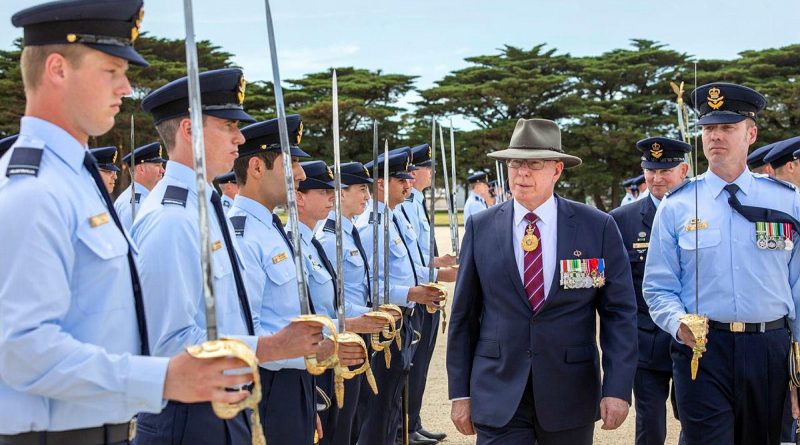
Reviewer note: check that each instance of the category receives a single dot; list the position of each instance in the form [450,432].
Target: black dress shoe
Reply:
[430,435]
[419,439]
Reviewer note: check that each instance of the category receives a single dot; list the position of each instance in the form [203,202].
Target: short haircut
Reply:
[33,59]
[241,163]
[168,130]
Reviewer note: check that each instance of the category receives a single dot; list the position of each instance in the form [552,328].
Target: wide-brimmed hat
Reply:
[536,139]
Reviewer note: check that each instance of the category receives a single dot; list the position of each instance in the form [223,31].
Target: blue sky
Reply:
[430,38]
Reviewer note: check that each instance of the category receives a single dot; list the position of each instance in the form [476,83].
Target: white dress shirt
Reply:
[547,223]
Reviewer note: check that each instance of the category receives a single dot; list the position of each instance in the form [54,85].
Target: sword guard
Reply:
[698,325]
[434,307]
[389,332]
[350,337]
[229,347]
[313,366]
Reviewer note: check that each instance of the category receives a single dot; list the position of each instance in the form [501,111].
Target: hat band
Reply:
[222,107]
[530,147]
[662,160]
[100,40]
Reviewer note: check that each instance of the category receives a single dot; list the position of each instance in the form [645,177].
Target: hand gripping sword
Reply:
[312,365]
[214,347]
[345,337]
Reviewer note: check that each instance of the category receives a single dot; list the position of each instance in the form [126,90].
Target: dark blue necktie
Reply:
[279,225]
[759,214]
[408,252]
[90,163]
[328,267]
[360,247]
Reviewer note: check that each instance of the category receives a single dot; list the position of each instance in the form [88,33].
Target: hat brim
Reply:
[108,167]
[123,52]
[427,163]
[355,180]
[315,184]
[233,114]
[547,155]
[660,165]
[401,175]
[721,118]
[155,160]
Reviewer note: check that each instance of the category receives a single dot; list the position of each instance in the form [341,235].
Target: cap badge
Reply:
[114,159]
[136,25]
[299,133]
[330,173]
[366,172]
[240,90]
[656,151]
[715,101]
[429,152]
[160,153]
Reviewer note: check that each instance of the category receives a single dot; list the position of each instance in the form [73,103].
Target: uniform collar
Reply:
[347,223]
[416,195]
[55,139]
[546,212]
[139,188]
[716,184]
[255,208]
[655,200]
[305,233]
[186,176]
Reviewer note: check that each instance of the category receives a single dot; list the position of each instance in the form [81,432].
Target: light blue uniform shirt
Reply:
[473,205]
[227,203]
[68,332]
[401,276]
[738,281]
[355,273]
[168,237]
[414,248]
[416,216]
[270,276]
[123,204]
[320,282]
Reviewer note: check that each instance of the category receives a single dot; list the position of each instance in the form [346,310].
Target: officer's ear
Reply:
[184,132]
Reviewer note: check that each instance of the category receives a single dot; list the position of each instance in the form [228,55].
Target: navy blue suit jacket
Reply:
[633,219]
[496,342]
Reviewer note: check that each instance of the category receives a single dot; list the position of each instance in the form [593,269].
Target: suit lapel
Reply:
[504,233]
[648,211]
[565,245]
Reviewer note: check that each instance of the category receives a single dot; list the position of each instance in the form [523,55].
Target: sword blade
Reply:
[132,172]
[453,190]
[385,221]
[431,214]
[447,192]
[337,205]
[291,200]
[375,259]
[198,151]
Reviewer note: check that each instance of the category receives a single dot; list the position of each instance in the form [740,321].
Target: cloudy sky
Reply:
[429,38]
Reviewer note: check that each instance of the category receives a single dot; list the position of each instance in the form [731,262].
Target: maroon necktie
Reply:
[534,272]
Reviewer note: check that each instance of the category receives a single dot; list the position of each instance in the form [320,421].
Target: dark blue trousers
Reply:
[191,423]
[740,390]
[651,389]
[381,417]
[420,364]
[288,409]
[524,428]
[337,426]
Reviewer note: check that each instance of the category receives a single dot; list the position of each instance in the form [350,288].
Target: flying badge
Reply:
[774,236]
[696,224]
[583,274]
[98,220]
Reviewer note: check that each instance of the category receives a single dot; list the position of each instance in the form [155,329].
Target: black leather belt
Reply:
[738,326]
[102,435]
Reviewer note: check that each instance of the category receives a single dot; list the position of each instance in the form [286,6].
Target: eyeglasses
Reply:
[533,164]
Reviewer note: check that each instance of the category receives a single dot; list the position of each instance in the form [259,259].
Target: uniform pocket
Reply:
[699,240]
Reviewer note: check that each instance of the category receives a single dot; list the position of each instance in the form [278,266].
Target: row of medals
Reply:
[571,280]
[774,243]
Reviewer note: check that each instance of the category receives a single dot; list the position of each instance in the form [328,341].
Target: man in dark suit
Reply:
[535,273]
[664,169]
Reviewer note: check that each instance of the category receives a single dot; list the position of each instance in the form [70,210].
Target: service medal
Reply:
[781,244]
[772,244]
[761,243]
[788,244]
[529,242]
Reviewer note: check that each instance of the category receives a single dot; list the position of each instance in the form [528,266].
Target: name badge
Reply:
[354,253]
[397,241]
[279,257]
[641,245]
[216,245]
[98,220]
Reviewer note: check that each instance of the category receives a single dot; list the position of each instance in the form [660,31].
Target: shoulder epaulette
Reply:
[477,198]
[137,197]
[372,218]
[788,185]
[680,186]
[175,195]
[24,161]
[330,226]
[238,223]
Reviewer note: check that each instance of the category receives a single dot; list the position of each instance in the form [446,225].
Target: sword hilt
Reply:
[229,347]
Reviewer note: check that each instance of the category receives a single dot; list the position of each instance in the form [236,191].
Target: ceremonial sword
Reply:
[313,366]
[449,196]
[453,190]
[132,171]
[214,346]
[345,337]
